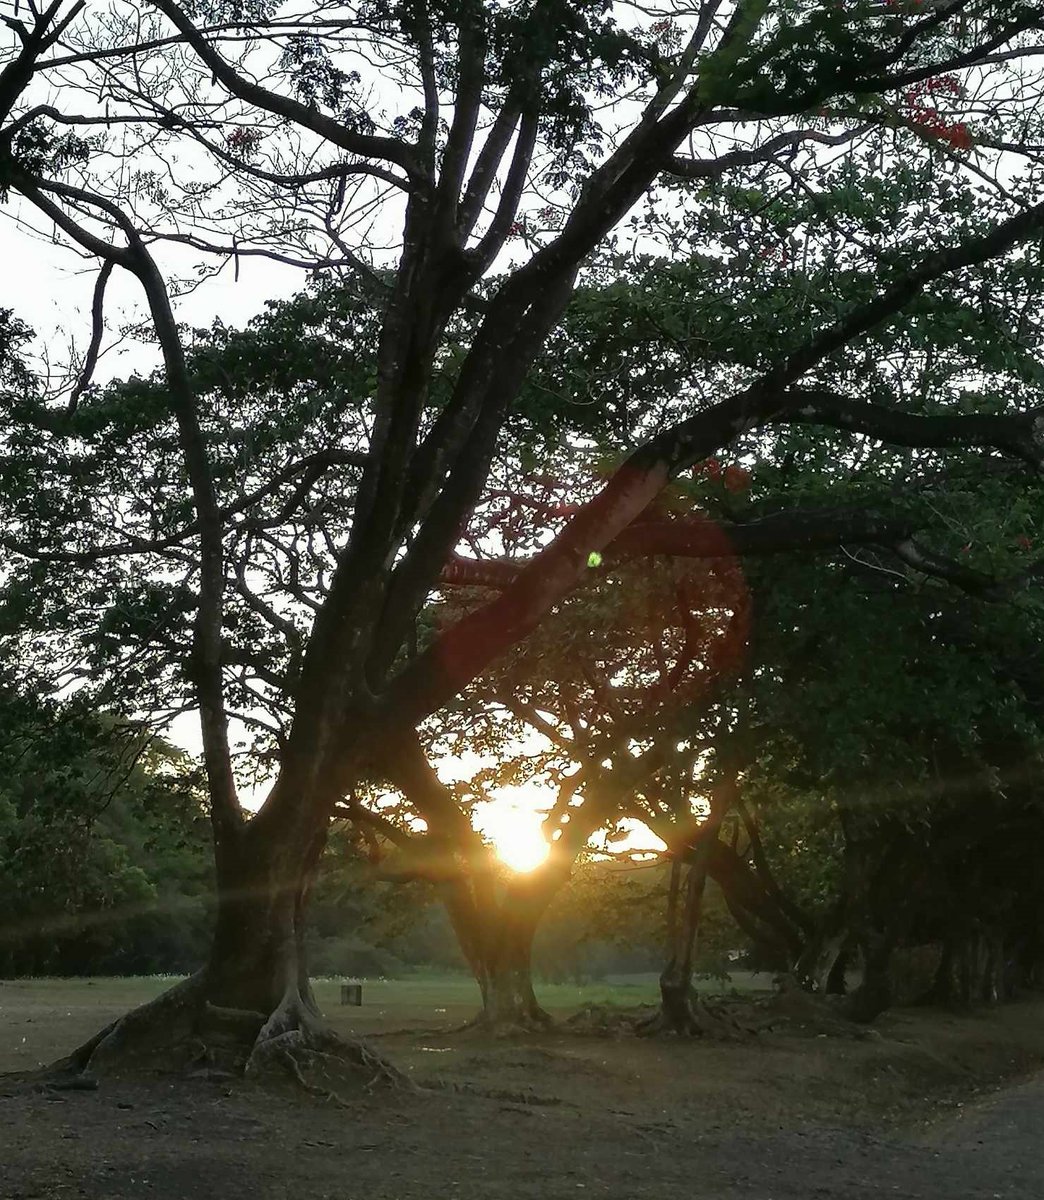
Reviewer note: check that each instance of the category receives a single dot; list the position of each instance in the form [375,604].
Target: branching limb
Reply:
[97,329]
[308,117]
[207,644]
[1020,435]
[714,168]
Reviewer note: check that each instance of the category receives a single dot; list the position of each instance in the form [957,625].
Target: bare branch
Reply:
[365,145]
[97,329]
[713,168]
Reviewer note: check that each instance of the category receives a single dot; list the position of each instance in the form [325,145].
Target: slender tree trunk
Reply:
[992,991]
[754,909]
[874,994]
[685,909]
[679,1013]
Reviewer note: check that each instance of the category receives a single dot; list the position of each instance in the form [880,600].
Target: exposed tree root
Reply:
[698,1020]
[296,1042]
[182,1032]
[162,1027]
[794,1008]
[517,1024]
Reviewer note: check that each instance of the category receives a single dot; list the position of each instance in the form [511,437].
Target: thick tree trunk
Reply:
[495,923]
[943,989]
[817,966]
[836,980]
[973,968]
[505,977]
[257,958]
[251,1008]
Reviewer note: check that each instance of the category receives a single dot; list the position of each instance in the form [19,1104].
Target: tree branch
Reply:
[463,651]
[207,640]
[714,168]
[365,145]
[1020,435]
[97,329]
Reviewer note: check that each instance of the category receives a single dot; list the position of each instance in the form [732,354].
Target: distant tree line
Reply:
[104,864]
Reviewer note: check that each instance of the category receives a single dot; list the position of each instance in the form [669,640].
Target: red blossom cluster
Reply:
[927,116]
[735,478]
[242,141]
[779,254]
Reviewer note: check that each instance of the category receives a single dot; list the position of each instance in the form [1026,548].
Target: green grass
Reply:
[420,993]
[425,996]
[426,992]
[41,1019]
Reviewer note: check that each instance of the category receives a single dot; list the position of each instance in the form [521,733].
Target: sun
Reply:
[513,826]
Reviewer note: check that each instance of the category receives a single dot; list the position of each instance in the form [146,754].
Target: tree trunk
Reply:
[874,994]
[505,976]
[754,909]
[257,957]
[680,1011]
[677,1012]
[836,981]
[495,922]
[942,990]
[817,966]
[251,1008]
[993,986]
[972,970]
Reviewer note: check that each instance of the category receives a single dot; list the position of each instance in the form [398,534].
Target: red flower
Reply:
[736,479]
[959,136]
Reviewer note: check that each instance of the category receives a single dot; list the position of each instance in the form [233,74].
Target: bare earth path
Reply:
[914,1112]
[126,1141]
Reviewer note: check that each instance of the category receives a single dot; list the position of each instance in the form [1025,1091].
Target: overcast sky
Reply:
[50,287]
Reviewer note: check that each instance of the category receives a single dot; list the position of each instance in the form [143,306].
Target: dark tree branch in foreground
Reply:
[208,629]
[1020,435]
[463,652]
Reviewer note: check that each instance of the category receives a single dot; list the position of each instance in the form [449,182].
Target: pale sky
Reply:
[50,287]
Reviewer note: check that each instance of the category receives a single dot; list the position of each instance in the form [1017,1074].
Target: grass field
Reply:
[40,1018]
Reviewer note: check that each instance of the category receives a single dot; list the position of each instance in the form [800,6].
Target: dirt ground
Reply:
[929,1105]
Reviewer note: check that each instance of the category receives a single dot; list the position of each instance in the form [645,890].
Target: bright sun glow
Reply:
[512,823]
[513,826]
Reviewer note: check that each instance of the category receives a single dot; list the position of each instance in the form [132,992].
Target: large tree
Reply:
[516,137]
